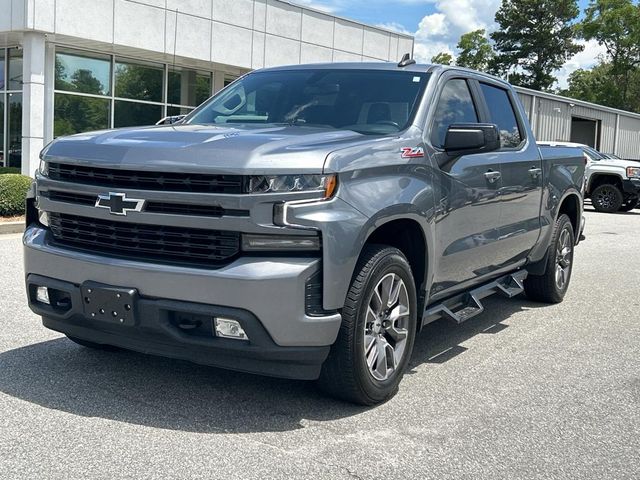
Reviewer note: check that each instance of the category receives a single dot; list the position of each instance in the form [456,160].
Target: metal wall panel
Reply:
[607,124]
[526,100]
[629,138]
[553,120]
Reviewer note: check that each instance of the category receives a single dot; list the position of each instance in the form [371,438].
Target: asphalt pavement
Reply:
[524,390]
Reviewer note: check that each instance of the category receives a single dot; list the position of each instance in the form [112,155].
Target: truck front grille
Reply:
[141,180]
[175,245]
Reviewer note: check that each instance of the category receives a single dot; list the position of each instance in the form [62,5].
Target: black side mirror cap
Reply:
[470,138]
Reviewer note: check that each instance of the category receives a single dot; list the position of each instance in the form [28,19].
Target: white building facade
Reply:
[69,66]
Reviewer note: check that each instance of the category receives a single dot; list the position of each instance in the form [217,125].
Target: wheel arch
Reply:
[602,178]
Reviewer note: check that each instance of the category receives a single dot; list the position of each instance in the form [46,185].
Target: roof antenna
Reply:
[406,61]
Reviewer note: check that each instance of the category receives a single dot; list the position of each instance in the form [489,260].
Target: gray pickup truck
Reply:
[305,222]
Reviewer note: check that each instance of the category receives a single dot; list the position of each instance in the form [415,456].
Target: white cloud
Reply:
[585,59]
[441,30]
[396,27]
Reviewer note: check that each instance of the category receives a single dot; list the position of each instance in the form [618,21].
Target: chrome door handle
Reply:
[492,177]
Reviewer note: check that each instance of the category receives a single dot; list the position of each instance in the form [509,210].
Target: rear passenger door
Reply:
[467,191]
[522,175]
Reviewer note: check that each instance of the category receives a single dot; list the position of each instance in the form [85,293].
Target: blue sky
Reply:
[437,24]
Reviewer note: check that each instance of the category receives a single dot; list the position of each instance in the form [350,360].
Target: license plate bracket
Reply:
[109,304]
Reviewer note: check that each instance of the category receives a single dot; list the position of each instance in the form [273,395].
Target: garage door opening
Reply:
[586,131]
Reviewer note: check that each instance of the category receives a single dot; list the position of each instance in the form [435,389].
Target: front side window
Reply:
[454,106]
[367,101]
[502,114]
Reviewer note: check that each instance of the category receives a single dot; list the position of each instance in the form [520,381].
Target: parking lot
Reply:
[523,391]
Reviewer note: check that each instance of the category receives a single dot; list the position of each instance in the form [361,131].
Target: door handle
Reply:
[535,172]
[492,177]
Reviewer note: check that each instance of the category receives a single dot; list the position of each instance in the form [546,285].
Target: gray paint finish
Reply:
[473,230]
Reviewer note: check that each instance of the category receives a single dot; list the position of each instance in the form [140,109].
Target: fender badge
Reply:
[409,152]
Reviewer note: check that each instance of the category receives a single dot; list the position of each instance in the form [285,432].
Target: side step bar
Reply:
[466,305]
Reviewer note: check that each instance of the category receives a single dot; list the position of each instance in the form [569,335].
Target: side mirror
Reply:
[171,120]
[469,138]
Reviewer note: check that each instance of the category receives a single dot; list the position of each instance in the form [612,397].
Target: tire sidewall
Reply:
[564,223]
[392,262]
[615,207]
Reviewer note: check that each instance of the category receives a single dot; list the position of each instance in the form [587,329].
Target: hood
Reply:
[206,148]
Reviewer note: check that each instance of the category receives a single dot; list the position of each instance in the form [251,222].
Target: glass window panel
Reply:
[188,87]
[454,106]
[2,129]
[139,82]
[79,73]
[502,114]
[14,138]
[172,111]
[14,82]
[1,71]
[77,114]
[130,114]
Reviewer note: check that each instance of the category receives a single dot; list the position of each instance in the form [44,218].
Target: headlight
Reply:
[43,169]
[293,183]
[633,172]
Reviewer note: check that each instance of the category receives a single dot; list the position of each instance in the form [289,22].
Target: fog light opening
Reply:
[228,328]
[42,295]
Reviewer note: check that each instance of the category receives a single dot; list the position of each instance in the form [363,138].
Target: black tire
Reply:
[629,205]
[545,288]
[345,374]
[607,198]
[93,345]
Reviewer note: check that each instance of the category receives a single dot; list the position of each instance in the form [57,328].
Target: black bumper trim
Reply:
[631,187]
[156,333]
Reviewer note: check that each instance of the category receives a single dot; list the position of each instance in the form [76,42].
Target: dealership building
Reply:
[70,66]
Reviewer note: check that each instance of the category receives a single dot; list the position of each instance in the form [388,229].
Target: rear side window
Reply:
[454,106]
[503,115]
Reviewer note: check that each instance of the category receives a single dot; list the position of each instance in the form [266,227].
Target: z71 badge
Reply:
[409,152]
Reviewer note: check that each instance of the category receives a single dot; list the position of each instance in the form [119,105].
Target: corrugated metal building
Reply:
[565,119]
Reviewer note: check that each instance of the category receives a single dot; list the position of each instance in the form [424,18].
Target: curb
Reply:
[11,227]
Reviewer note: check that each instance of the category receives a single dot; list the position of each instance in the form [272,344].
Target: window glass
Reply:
[502,114]
[188,87]
[131,114]
[14,80]
[2,63]
[172,111]
[2,101]
[139,82]
[77,114]
[14,138]
[454,106]
[79,73]
[593,154]
[370,102]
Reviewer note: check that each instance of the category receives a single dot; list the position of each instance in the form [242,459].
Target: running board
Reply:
[464,306]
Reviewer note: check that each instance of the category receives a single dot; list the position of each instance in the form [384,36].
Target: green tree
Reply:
[615,24]
[535,38]
[475,51]
[442,58]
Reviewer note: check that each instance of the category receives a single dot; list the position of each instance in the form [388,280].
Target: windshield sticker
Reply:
[416,79]
[409,152]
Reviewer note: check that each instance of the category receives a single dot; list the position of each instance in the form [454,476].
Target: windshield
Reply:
[592,153]
[366,101]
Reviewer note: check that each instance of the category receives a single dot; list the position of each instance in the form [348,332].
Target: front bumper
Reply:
[631,187]
[268,292]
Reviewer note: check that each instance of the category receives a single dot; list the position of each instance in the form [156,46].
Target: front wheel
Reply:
[607,198]
[378,329]
[553,284]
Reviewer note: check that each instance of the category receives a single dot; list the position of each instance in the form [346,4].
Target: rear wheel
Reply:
[629,205]
[553,284]
[607,198]
[93,345]
[378,329]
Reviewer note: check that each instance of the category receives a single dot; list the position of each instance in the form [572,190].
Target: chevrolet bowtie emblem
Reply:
[118,203]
